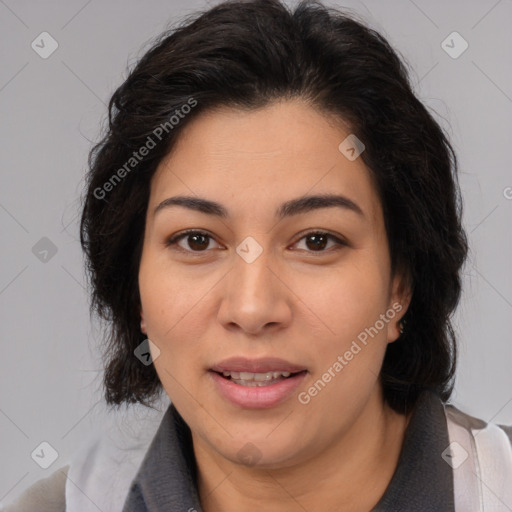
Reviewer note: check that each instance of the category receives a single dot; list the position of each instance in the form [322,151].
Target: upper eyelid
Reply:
[178,237]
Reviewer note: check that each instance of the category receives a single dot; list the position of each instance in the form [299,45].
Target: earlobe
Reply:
[401,295]
[394,330]
[399,327]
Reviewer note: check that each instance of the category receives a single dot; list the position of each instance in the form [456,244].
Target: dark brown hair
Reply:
[247,54]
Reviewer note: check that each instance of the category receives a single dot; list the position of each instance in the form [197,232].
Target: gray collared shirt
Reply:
[422,482]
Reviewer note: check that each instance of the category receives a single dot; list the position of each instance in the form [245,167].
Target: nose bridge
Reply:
[255,297]
[251,277]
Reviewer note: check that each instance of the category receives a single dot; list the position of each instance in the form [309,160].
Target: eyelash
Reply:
[177,238]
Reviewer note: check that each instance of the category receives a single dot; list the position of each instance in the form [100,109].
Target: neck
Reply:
[352,475]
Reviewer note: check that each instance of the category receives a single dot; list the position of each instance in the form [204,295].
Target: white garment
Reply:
[481,455]
[102,469]
[101,473]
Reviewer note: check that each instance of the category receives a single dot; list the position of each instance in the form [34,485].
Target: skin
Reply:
[294,302]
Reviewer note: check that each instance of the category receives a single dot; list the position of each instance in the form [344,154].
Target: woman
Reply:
[273,232]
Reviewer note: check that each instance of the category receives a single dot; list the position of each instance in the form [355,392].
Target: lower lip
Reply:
[257,397]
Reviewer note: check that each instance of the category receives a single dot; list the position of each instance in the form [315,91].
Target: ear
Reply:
[400,298]
[142,322]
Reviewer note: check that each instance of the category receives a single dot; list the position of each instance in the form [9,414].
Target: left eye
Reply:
[318,240]
[199,241]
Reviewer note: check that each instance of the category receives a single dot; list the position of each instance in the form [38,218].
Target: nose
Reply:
[255,298]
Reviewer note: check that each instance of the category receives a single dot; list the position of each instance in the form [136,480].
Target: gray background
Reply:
[51,111]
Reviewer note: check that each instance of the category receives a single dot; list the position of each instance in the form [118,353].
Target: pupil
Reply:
[198,245]
[319,241]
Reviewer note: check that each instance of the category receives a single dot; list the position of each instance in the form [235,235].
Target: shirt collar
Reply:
[422,481]
[167,477]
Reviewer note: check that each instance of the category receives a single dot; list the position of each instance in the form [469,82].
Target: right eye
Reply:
[197,241]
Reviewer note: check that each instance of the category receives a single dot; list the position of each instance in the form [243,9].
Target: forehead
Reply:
[264,157]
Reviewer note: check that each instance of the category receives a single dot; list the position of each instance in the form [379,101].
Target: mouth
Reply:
[250,379]
[257,383]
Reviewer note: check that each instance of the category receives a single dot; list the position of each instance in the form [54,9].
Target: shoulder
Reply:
[508,430]
[475,425]
[480,454]
[102,468]
[45,495]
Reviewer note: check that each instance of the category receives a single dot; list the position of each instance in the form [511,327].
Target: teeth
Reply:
[254,383]
[257,377]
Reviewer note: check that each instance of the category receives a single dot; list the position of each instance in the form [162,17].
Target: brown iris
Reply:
[319,241]
[198,241]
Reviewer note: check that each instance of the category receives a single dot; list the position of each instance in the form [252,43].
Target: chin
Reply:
[261,453]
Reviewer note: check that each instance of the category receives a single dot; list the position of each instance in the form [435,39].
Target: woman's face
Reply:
[271,283]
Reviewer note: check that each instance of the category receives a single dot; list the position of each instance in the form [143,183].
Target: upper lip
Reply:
[262,365]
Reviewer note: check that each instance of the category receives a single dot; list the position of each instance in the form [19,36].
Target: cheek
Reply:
[173,325]
[178,312]
[349,348]
[169,297]
[348,300]
[171,308]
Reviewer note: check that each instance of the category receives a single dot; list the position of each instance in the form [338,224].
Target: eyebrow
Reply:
[289,208]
